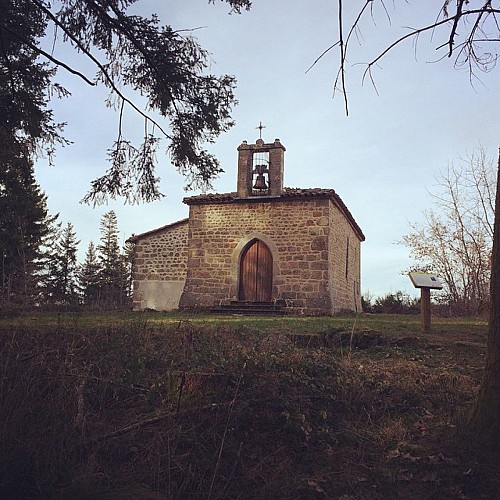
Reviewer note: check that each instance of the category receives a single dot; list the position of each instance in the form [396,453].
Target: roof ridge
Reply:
[136,237]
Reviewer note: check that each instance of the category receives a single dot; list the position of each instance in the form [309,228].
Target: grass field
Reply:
[129,405]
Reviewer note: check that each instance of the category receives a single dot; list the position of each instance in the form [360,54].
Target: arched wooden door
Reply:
[256,273]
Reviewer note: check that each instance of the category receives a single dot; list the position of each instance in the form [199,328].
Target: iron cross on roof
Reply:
[260,127]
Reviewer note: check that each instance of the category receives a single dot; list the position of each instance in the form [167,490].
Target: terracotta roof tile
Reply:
[209,198]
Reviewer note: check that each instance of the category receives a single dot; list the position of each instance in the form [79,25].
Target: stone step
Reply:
[250,308]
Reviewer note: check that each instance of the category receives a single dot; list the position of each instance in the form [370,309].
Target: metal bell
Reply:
[260,182]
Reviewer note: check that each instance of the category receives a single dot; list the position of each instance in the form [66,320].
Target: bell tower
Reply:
[260,169]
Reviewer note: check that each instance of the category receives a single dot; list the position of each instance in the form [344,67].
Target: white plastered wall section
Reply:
[158,295]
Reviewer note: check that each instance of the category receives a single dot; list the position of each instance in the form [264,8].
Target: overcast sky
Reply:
[381,159]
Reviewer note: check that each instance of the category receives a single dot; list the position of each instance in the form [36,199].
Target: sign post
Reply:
[426,282]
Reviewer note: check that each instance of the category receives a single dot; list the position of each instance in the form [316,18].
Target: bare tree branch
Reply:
[48,56]
[342,58]
[418,31]
[321,56]
[466,52]
[453,30]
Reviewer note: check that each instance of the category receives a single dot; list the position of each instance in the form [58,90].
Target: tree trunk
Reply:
[485,419]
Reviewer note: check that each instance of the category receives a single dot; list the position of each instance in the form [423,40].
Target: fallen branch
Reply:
[152,420]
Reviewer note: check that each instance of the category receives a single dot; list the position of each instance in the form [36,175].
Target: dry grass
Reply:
[153,408]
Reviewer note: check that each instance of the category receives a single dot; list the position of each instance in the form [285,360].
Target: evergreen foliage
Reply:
[26,124]
[88,278]
[61,286]
[113,273]
[24,223]
[26,129]
[396,303]
[128,256]
[109,259]
[166,66]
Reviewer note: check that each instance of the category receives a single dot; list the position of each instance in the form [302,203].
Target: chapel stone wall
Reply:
[345,272]
[297,232]
[160,268]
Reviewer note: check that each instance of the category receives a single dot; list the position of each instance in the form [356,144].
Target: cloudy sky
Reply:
[381,159]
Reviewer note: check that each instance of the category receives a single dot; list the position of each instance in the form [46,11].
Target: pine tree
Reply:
[190,106]
[112,269]
[26,124]
[48,264]
[61,268]
[24,223]
[89,278]
[26,127]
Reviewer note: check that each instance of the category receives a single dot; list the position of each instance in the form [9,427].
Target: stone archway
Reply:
[256,272]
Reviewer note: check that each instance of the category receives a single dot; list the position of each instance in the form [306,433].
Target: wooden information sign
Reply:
[426,282]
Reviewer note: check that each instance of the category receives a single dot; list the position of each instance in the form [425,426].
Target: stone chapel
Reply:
[298,249]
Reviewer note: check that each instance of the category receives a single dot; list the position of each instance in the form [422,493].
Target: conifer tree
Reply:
[24,223]
[112,269]
[48,263]
[26,127]
[89,278]
[166,66]
[61,268]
